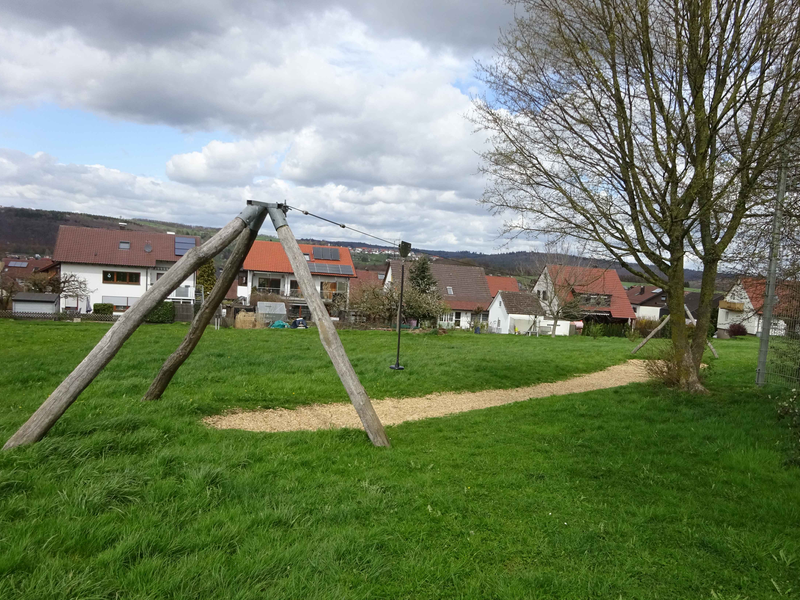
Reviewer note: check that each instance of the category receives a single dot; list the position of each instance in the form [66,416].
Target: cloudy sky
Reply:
[180,110]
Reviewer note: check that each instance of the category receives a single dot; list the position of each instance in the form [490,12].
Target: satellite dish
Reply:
[148,247]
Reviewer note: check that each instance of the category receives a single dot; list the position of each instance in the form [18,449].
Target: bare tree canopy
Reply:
[645,128]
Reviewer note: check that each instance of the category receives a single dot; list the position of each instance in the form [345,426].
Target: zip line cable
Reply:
[342,225]
[391,243]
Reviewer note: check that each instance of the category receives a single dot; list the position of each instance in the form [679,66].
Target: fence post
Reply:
[769,289]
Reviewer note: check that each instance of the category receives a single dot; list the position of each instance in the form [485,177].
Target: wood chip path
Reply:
[393,411]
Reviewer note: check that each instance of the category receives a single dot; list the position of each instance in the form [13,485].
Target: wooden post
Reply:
[694,322]
[327,332]
[65,394]
[652,333]
[206,312]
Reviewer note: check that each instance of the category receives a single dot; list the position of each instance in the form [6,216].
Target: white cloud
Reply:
[350,108]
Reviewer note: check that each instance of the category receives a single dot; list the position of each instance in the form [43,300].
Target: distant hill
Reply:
[29,231]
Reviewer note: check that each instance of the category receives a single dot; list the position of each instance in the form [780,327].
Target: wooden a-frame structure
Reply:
[664,322]
[243,230]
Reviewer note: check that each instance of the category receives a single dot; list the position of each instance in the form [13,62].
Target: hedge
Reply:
[163,313]
[102,308]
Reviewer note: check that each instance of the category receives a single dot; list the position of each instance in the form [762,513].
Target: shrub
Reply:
[102,308]
[163,313]
[645,326]
[789,410]
[737,330]
[632,335]
[661,365]
[595,330]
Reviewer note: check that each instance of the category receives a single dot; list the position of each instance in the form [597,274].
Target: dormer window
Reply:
[449,290]
[124,245]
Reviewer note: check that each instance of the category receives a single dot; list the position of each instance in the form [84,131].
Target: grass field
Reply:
[634,492]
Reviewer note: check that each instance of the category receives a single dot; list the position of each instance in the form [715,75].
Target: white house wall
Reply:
[98,289]
[24,306]
[286,279]
[647,312]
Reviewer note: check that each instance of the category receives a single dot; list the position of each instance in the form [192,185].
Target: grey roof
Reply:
[36,297]
[521,303]
[470,289]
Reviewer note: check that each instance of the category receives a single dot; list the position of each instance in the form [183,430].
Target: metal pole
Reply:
[769,298]
[396,366]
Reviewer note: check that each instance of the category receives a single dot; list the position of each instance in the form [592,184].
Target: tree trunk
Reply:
[327,334]
[555,324]
[703,315]
[65,394]
[687,372]
[206,312]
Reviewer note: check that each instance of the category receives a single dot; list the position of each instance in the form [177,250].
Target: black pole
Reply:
[396,366]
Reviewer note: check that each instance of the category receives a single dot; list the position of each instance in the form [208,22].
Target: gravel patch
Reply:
[393,411]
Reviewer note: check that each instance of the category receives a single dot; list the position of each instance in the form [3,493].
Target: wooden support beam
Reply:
[327,332]
[652,333]
[694,322]
[203,317]
[65,394]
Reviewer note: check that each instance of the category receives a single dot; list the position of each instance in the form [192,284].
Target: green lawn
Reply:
[635,492]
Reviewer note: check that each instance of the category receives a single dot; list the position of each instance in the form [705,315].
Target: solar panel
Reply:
[346,270]
[326,253]
[183,244]
[17,263]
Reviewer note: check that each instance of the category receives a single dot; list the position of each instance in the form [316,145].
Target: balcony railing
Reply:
[270,290]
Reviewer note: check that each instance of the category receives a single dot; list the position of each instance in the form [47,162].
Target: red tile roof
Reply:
[585,280]
[470,289]
[32,265]
[92,246]
[636,296]
[497,283]
[364,278]
[788,293]
[270,257]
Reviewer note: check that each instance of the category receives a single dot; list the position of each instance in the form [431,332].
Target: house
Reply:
[119,265]
[648,301]
[30,302]
[692,302]
[365,279]
[266,270]
[20,268]
[497,283]
[463,288]
[745,300]
[598,293]
[515,312]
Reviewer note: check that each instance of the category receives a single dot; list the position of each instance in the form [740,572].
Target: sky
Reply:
[353,109]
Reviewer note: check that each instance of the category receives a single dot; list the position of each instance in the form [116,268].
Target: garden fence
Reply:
[783,354]
[60,316]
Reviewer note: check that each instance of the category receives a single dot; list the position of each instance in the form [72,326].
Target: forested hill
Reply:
[28,231]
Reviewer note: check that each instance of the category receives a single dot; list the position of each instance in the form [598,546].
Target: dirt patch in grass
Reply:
[393,411]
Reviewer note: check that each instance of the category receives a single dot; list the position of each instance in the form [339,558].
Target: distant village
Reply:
[97,273]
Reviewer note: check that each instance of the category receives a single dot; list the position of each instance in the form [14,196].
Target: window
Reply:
[307,257]
[449,290]
[269,284]
[544,295]
[242,277]
[124,245]
[121,277]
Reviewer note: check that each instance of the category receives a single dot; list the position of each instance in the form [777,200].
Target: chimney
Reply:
[123,225]
[641,291]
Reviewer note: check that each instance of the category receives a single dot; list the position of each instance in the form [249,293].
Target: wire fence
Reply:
[59,316]
[783,355]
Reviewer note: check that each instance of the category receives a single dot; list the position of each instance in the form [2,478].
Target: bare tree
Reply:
[642,127]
